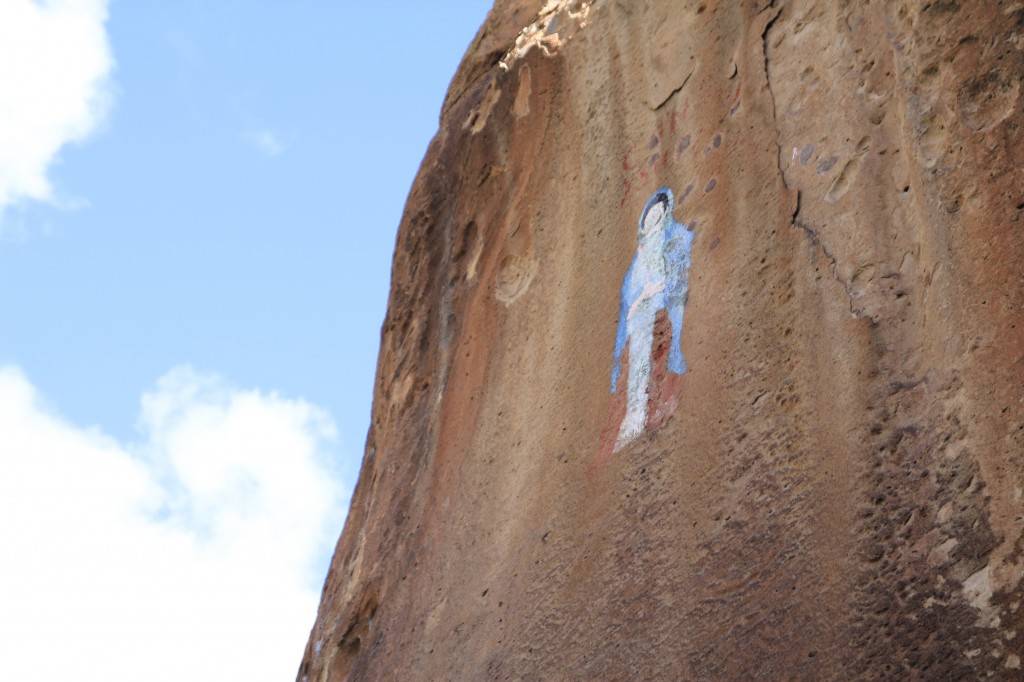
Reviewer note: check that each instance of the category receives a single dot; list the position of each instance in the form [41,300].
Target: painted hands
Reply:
[651,289]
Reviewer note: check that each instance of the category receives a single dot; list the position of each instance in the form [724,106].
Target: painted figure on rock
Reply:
[657,280]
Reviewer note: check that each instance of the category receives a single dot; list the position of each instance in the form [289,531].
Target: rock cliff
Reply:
[704,355]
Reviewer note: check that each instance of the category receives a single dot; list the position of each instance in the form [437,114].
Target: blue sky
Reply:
[199,202]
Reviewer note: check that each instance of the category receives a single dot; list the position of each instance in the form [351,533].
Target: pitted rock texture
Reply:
[838,494]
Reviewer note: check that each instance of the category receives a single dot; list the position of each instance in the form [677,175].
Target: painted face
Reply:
[654,217]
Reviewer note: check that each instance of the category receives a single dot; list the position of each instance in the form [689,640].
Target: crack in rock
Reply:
[674,93]
[816,240]
[768,83]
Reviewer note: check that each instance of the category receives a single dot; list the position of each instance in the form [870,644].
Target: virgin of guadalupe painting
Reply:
[653,296]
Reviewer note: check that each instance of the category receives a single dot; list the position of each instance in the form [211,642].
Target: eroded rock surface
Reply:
[833,488]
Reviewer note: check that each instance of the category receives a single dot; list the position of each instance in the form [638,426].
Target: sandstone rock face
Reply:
[832,489]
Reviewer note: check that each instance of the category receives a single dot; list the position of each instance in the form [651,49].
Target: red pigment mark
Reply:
[672,122]
[625,162]
[629,187]
[714,243]
[663,393]
[665,157]
[661,128]
[665,386]
[645,175]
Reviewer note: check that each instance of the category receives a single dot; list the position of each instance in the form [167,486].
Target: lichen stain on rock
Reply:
[987,100]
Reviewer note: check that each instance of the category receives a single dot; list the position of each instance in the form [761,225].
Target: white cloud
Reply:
[193,555]
[55,62]
[265,142]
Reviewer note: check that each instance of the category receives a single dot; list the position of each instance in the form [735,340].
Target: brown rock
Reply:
[833,488]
